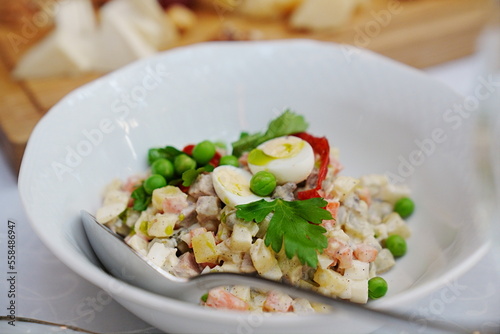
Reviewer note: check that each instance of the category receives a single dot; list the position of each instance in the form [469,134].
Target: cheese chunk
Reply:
[68,50]
[322,14]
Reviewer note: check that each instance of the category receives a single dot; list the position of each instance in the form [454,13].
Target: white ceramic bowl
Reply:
[384,117]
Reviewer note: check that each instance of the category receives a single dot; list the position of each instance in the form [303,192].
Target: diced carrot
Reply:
[345,257]
[340,252]
[365,196]
[220,298]
[365,253]
[333,208]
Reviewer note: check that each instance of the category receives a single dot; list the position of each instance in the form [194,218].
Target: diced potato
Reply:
[230,267]
[324,291]
[332,280]
[159,253]
[347,293]
[380,231]
[162,225]
[168,242]
[338,234]
[263,225]
[109,212]
[306,285]
[293,272]
[241,239]
[274,273]
[359,291]
[115,202]
[358,227]
[384,261]
[116,184]
[301,305]
[396,225]
[141,225]
[139,244]
[373,270]
[393,192]
[291,268]
[374,180]
[252,227]
[324,261]
[226,254]
[321,308]
[168,193]
[223,232]
[258,300]
[242,292]
[262,257]
[116,196]
[371,241]
[359,270]
[204,248]
[344,185]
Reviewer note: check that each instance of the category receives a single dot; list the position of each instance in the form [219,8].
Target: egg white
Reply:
[289,158]
[232,185]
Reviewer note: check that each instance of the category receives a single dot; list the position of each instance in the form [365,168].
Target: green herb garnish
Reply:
[294,225]
[287,123]
[141,198]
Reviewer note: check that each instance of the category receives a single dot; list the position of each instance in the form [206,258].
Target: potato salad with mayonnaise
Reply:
[275,205]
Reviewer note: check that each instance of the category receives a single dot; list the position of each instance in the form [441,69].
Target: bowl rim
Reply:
[101,279]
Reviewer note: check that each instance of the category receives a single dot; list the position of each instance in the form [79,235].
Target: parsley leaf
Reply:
[141,198]
[294,225]
[287,123]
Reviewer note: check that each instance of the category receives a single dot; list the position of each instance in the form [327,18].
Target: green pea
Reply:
[183,162]
[404,206]
[396,245]
[163,167]
[263,183]
[230,160]
[204,298]
[204,152]
[153,182]
[377,287]
[155,154]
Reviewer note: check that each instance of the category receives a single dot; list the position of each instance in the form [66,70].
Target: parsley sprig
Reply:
[294,225]
[287,123]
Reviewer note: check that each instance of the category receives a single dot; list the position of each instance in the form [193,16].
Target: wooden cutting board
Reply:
[419,33]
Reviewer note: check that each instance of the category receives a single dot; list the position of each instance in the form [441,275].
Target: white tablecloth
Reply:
[47,290]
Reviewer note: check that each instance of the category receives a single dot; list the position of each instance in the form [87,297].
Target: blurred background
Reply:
[50,47]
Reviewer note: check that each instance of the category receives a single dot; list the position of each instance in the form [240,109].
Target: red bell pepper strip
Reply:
[321,147]
[188,149]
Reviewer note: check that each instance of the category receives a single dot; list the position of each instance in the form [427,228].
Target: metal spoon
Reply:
[125,263]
